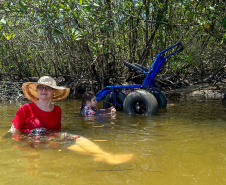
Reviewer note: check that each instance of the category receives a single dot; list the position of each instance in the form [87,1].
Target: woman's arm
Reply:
[19,119]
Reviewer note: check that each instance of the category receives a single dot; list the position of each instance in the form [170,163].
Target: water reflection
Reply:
[183,144]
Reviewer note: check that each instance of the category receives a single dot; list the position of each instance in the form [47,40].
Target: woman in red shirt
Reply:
[41,115]
[40,112]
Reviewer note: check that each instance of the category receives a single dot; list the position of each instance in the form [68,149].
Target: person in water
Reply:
[126,91]
[89,104]
[42,115]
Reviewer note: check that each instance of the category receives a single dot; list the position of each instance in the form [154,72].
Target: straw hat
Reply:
[30,89]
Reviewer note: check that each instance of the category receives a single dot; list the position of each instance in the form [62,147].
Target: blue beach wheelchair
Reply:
[147,97]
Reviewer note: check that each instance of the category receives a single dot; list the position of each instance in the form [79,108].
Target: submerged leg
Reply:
[87,147]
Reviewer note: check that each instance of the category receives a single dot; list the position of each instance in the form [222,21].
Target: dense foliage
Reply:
[90,39]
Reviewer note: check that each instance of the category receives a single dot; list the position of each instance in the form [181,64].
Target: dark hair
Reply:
[86,96]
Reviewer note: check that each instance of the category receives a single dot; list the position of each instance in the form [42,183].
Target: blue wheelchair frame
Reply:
[149,81]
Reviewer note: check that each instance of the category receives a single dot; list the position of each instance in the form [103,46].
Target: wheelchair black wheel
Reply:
[140,102]
[162,101]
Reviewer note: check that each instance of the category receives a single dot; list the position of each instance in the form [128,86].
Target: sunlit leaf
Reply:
[104,21]
[80,2]
[2,21]
[72,30]
[78,38]
[211,8]
[9,4]
[62,6]
[12,35]
[2,26]
[94,4]
[74,37]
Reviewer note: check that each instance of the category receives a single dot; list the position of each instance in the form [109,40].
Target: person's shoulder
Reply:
[27,105]
[57,107]
[25,108]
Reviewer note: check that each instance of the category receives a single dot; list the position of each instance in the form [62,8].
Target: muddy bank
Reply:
[11,91]
[202,90]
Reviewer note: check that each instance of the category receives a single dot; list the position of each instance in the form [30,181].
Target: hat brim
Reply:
[30,91]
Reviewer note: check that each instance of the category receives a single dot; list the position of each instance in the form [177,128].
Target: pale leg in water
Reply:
[85,146]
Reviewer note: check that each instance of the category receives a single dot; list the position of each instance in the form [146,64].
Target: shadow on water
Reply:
[183,144]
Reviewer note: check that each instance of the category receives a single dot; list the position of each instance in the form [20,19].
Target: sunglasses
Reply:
[41,88]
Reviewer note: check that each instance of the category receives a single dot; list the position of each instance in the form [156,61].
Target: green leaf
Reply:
[107,28]
[73,30]
[22,5]
[80,2]
[76,16]
[62,6]
[9,5]
[27,25]
[50,16]
[57,31]
[94,4]
[78,38]
[74,37]
[4,35]
[104,21]
[224,23]
[2,26]
[8,37]
[211,8]
[87,7]
[119,42]
[12,35]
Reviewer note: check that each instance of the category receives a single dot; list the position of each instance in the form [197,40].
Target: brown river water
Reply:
[184,144]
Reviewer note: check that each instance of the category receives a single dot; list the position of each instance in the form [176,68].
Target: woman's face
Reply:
[45,92]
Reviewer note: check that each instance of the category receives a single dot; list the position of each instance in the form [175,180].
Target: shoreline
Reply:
[12,92]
